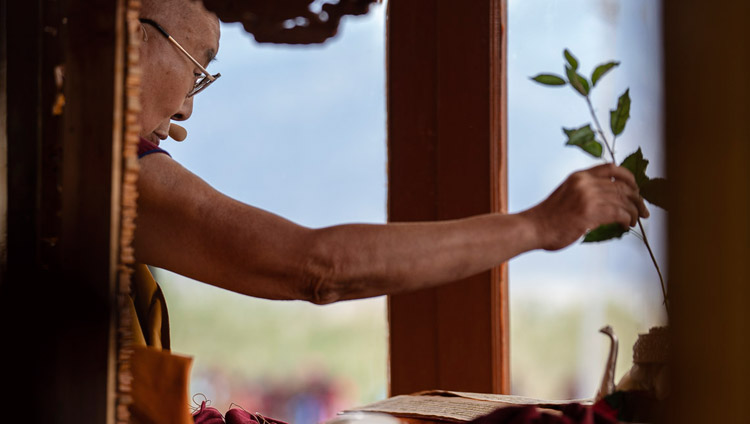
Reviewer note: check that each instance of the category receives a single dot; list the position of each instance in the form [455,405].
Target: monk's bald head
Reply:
[183,19]
[172,10]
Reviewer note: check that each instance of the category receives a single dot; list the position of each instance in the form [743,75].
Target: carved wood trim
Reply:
[130,128]
[288,21]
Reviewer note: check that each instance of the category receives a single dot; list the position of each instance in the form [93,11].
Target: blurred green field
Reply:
[239,342]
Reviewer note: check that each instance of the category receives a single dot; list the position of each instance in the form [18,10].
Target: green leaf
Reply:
[601,70]
[549,79]
[656,192]
[619,116]
[584,138]
[578,82]
[571,59]
[636,164]
[605,232]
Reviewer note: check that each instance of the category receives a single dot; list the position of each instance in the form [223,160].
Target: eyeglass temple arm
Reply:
[166,34]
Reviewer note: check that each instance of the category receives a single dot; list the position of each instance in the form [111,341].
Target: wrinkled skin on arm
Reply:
[186,226]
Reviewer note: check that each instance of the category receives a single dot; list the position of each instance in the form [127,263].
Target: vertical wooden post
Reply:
[446,159]
[708,146]
[92,159]
[22,361]
[57,297]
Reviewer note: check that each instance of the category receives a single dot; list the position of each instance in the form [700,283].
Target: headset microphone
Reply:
[177,132]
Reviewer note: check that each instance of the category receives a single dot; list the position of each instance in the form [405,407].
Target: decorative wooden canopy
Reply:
[289,21]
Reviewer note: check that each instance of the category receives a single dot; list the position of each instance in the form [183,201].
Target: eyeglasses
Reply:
[206,79]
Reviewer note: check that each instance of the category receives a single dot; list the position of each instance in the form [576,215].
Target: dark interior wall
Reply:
[20,319]
[3,139]
[56,297]
[23,130]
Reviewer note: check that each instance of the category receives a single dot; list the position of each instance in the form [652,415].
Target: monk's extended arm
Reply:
[186,226]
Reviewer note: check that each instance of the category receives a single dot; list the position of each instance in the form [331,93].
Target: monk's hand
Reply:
[601,195]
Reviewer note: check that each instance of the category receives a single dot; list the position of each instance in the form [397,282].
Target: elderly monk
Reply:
[186,226]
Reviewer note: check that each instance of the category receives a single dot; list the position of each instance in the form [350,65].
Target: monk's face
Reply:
[168,74]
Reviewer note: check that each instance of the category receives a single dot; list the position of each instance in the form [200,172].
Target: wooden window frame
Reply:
[58,287]
[440,125]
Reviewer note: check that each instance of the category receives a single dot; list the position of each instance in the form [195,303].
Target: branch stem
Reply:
[614,140]
[658,271]
[601,132]
[643,237]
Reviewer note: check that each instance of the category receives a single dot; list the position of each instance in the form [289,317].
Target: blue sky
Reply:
[299,131]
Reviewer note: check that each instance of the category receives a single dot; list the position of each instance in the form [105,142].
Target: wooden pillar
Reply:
[446,159]
[57,296]
[26,360]
[91,187]
[707,57]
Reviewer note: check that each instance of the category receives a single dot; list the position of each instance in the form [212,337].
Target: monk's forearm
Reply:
[355,261]
[186,226]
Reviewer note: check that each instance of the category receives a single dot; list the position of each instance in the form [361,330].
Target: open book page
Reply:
[455,407]
[510,399]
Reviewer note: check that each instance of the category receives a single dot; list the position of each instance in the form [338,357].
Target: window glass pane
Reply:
[298,131]
[560,300]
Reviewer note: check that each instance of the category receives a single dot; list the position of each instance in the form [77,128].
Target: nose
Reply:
[185,110]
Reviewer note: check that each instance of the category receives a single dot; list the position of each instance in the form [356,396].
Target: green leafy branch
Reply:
[594,141]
